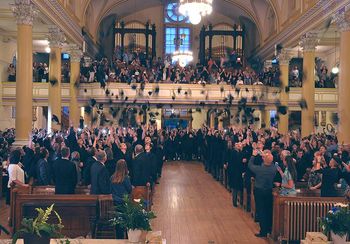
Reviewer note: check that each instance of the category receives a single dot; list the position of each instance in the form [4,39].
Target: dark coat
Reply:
[87,170]
[235,169]
[141,170]
[65,176]
[44,173]
[100,180]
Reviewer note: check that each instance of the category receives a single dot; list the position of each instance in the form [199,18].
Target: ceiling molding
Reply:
[310,20]
[59,16]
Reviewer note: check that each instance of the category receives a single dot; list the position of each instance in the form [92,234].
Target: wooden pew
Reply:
[78,212]
[252,199]
[293,216]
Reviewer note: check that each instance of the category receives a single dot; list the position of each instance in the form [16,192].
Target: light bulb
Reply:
[335,70]
[195,18]
[48,49]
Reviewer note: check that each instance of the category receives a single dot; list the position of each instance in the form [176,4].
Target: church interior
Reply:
[174,121]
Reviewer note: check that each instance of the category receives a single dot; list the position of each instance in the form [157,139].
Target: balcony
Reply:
[176,94]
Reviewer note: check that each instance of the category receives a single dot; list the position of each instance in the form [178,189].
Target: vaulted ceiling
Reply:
[261,12]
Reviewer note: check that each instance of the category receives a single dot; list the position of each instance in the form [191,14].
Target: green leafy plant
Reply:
[132,215]
[40,226]
[337,220]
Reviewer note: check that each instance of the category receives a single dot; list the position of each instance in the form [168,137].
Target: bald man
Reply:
[264,176]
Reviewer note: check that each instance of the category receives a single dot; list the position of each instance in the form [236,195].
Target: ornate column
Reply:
[25,12]
[212,120]
[265,117]
[74,109]
[284,58]
[56,39]
[343,23]
[308,42]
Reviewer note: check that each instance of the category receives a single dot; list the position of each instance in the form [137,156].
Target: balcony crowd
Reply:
[133,67]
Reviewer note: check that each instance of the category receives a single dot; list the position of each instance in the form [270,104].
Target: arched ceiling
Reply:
[256,10]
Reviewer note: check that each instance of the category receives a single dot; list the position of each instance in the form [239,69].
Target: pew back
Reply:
[78,212]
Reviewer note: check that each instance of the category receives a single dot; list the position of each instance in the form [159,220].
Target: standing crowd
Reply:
[112,160]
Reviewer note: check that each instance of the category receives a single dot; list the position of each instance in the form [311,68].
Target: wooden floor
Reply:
[192,207]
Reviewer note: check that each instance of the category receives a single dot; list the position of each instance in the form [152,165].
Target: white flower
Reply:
[341,205]
[137,200]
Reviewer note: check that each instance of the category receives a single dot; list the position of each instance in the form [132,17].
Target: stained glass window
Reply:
[172,14]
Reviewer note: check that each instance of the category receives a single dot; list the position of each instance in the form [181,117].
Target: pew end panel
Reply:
[78,212]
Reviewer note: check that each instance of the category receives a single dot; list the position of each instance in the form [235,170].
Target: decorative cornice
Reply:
[341,20]
[75,53]
[285,56]
[315,16]
[56,37]
[309,41]
[24,11]
[58,15]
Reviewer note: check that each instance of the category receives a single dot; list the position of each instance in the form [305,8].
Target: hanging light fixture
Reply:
[195,9]
[335,69]
[182,57]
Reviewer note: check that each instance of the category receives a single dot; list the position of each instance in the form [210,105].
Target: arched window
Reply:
[177,32]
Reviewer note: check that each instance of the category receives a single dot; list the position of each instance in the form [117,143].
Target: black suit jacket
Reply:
[65,176]
[100,182]
[141,170]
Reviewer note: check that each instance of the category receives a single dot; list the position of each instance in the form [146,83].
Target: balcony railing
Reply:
[191,94]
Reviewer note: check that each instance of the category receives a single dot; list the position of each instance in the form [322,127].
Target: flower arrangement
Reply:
[132,215]
[39,227]
[337,220]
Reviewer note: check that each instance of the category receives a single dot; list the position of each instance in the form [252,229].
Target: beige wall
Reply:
[156,15]
[199,119]
[6,120]
[8,50]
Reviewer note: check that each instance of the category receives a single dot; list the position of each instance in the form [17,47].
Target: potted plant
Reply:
[132,216]
[337,222]
[38,230]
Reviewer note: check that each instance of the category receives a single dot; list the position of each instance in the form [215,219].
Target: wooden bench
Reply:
[293,216]
[78,212]
[75,208]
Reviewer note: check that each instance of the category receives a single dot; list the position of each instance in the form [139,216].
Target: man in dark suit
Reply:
[65,173]
[100,181]
[87,166]
[140,167]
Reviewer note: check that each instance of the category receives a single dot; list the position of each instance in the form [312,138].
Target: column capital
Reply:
[285,56]
[309,41]
[56,37]
[342,20]
[24,11]
[75,53]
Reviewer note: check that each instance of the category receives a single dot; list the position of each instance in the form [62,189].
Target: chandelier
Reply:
[182,57]
[195,9]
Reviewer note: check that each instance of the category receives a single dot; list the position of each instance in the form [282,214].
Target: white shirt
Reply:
[15,173]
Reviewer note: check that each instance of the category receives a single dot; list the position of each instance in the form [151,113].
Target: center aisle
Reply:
[193,208]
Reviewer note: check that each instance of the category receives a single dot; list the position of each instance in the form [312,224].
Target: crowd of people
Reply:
[114,159]
[135,68]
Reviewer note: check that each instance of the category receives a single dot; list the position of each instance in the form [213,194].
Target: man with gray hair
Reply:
[100,182]
[140,167]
